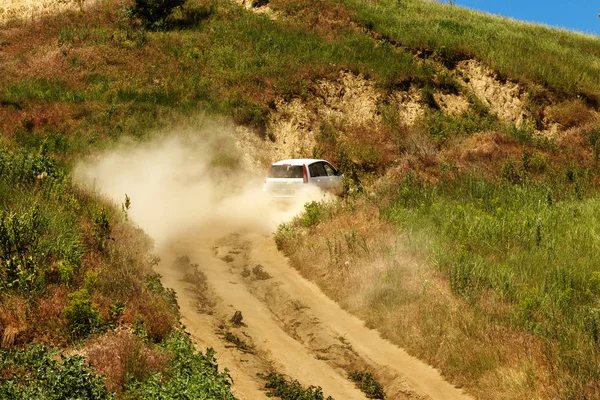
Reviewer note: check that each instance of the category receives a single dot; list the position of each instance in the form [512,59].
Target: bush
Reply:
[193,375]
[312,214]
[154,13]
[37,374]
[83,315]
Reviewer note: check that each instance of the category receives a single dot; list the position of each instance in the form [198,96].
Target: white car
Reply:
[288,178]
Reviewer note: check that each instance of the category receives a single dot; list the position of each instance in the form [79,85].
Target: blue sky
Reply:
[577,15]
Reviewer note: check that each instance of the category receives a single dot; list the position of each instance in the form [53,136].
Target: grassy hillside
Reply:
[566,63]
[508,234]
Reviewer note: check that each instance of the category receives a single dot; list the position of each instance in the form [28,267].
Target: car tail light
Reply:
[304,173]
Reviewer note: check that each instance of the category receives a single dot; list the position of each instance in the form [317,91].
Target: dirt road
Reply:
[290,326]
[223,223]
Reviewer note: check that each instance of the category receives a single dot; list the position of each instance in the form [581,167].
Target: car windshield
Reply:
[285,171]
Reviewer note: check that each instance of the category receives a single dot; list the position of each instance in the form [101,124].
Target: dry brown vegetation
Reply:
[122,356]
[380,275]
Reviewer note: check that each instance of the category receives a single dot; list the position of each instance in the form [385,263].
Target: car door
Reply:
[318,175]
[335,179]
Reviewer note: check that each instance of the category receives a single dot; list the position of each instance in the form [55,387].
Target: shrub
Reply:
[191,375]
[83,315]
[154,13]
[312,214]
[36,373]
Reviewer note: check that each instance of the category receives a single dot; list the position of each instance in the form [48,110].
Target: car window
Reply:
[285,171]
[329,169]
[317,169]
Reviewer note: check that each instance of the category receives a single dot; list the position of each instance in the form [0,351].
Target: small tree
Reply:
[154,13]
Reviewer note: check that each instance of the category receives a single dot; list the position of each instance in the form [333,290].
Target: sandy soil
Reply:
[289,324]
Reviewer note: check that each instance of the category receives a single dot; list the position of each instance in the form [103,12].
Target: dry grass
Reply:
[13,320]
[571,113]
[377,274]
[158,317]
[122,356]
[17,12]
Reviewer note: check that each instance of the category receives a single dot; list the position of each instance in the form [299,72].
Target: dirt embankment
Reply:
[197,202]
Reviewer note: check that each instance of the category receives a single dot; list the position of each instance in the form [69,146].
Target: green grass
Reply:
[563,61]
[534,244]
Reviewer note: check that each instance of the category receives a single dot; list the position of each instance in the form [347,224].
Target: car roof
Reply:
[298,161]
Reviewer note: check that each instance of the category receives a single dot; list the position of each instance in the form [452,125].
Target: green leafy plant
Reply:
[190,372]
[101,227]
[367,384]
[277,385]
[37,373]
[19,236]
[312,214]
[83,315]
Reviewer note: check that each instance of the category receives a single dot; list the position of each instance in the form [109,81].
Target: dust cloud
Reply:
[188,183]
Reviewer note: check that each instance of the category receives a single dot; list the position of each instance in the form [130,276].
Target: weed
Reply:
[65,271]
[443,126]
[101,227]
[115,312]
[593,137]
[260,273]
[19,235]
[312,214]
[126,205]
[237,319]
[367,384]
[82,314]
[510,173]
[237,342]
[286,233]
[278,385]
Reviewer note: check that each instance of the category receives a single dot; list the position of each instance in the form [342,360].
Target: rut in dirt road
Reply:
[290,326]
